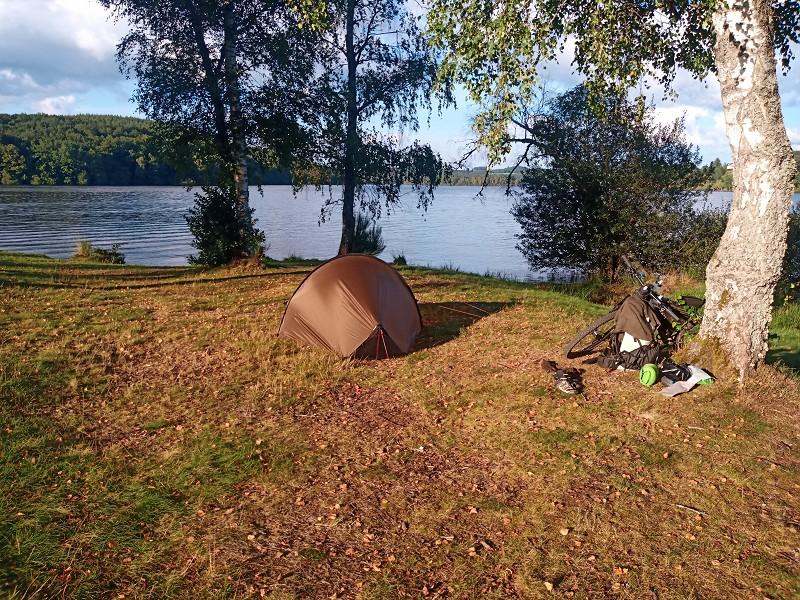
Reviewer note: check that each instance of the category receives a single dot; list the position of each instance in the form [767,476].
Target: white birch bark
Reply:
[743,272]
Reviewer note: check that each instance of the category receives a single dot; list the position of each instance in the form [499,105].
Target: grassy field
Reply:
[159,441]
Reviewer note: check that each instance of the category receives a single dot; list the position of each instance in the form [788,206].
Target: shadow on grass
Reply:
[102,282]
[786,356]
[34,274]
[443,321]
[784,336]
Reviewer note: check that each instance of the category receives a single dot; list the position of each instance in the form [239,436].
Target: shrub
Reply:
[399,260]
[603,187]
[702,236]
[699,240]
[220,233]
[789,286]
[368,236]
[86,251]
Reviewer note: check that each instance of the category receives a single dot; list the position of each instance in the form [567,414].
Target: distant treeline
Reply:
[97,150]
[719,177]
[110,150]
[716,176]
[478,176]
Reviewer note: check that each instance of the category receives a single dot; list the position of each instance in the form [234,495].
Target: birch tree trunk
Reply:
[351,141]
[744,270]
[238,146]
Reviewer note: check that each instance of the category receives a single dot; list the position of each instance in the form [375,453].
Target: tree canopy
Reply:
[215,75]
[376,72]
[176,52]
[497,50]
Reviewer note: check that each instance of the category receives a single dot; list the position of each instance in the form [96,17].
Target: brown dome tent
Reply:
[356,306]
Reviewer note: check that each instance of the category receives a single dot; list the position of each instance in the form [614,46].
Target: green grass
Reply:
[292,261]
[785,339]
[158,440]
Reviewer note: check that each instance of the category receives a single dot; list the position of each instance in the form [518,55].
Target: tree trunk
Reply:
[744,270]
[351,141]
[212,82]
[238,139]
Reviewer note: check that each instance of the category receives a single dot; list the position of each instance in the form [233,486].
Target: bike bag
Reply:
[634,359]
[637,318]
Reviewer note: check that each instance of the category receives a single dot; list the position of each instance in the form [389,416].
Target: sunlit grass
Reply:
[158,440]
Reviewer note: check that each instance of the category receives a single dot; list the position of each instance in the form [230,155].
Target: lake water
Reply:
[459,229]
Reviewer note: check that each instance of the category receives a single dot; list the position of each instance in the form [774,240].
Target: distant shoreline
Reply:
[266,185]
[198,185]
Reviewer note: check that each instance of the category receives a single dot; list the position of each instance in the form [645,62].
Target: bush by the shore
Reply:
[85,250]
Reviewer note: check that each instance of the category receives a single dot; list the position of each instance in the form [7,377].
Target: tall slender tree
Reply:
[206,69]
[378,71]
[12,165]
[496,49]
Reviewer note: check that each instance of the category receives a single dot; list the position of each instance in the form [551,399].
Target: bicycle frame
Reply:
[674,322]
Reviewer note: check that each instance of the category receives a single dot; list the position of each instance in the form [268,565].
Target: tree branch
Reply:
[367,35]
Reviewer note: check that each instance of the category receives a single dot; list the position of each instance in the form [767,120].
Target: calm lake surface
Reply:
[459,229]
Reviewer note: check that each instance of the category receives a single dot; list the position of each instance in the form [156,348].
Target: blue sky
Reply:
[57,56]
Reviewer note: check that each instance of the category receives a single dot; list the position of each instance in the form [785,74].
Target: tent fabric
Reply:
[355,305]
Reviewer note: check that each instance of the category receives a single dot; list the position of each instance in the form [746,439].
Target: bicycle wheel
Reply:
[593,338]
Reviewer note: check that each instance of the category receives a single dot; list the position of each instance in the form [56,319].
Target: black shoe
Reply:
[672,372]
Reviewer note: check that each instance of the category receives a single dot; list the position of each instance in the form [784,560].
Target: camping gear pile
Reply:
[641,333]
[636,345]
[357,306]
[678,378]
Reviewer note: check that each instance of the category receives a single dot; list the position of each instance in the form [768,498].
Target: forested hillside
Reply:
[110,150]
[95,150]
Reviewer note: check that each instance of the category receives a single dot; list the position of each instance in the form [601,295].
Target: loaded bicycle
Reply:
[676,319]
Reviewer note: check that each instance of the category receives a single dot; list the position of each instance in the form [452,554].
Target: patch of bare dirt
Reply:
[388,498]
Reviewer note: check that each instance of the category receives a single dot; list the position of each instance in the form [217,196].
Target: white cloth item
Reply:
[630,343]
[679,387]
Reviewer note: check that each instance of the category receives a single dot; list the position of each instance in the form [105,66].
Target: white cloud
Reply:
[100,44]
[56,105]
[55,49]
[88,25]
[705,127]
[691,114]
[697,101]
[560,75]
[794,137]
[23,80]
